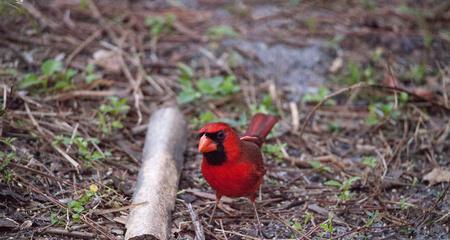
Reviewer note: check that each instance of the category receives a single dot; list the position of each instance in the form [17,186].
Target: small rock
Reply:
[25,225]
[117,231]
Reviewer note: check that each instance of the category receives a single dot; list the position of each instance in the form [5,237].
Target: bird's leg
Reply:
[218,197]
[258,228]
[256,214]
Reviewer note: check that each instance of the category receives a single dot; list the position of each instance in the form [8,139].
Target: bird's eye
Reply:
[220,135]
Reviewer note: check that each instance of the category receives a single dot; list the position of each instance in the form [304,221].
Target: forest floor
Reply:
[362,150]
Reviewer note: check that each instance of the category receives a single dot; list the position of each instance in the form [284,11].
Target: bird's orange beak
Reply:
[206,145]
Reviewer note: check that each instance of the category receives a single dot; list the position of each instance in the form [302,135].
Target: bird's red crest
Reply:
[214,127]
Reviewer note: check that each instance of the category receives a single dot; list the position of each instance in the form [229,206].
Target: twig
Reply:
[237,234]
[318,105]
[77,234]
[286,224]
[74,133]
[41,131]
[86,93]
[429,210]
[223,231]
[38,15]
[365,85]
[83,218]
[83,45]
[311,231]
[16,165]
[5,96]
[295,117]
[199,234]
[106,211]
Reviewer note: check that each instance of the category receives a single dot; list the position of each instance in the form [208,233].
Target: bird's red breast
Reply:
[233,166]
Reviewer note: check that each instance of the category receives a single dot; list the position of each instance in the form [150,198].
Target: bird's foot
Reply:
[227,209]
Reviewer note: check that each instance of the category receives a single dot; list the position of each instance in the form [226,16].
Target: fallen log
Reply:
[157,182]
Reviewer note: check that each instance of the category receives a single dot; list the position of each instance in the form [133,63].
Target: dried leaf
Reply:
[336,65]
[390,81]
[108,60]
[437,175]
[423,92]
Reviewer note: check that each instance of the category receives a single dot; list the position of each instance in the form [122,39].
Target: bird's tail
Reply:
[260,125]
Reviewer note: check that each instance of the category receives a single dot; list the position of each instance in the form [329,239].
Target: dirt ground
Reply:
[362,150]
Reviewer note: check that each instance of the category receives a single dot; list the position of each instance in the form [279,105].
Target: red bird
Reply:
[233,165]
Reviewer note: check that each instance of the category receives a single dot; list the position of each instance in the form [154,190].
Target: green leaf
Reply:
[105,108]
[97,156]
[30,80]
[156,25]
[75,204]
[90,68]
[51,66]
[117,124]
[205,117]
[90,75]
[159,24]
[320,95]
[348,183]
[275,150]
[333,183]
[355,74]
[70,73]
[54,218]
[75,217]
[373,216]
[403,97]
[369,161]
[372,119]
[266,106]
[229,85]
[315,164]
[297,226]
[63,84]
[209,86]
[221,31]
[387,108]
[187,96]
[186,72]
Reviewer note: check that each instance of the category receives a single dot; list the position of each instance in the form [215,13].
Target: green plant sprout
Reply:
[327,226]
[275,150]
[344,187]
[221,31]
[204,118]
[6,157]
[209,88]
[90,74]
[380,111]
[373,217]
[417,73]
[265,106]
[85,148]
[355,74]
[316,165]
[160,24]
[111,115]
[319,96]
[78,207]
[369,161]
[53,77]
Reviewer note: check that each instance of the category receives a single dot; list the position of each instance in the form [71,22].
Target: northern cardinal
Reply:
[233,165]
